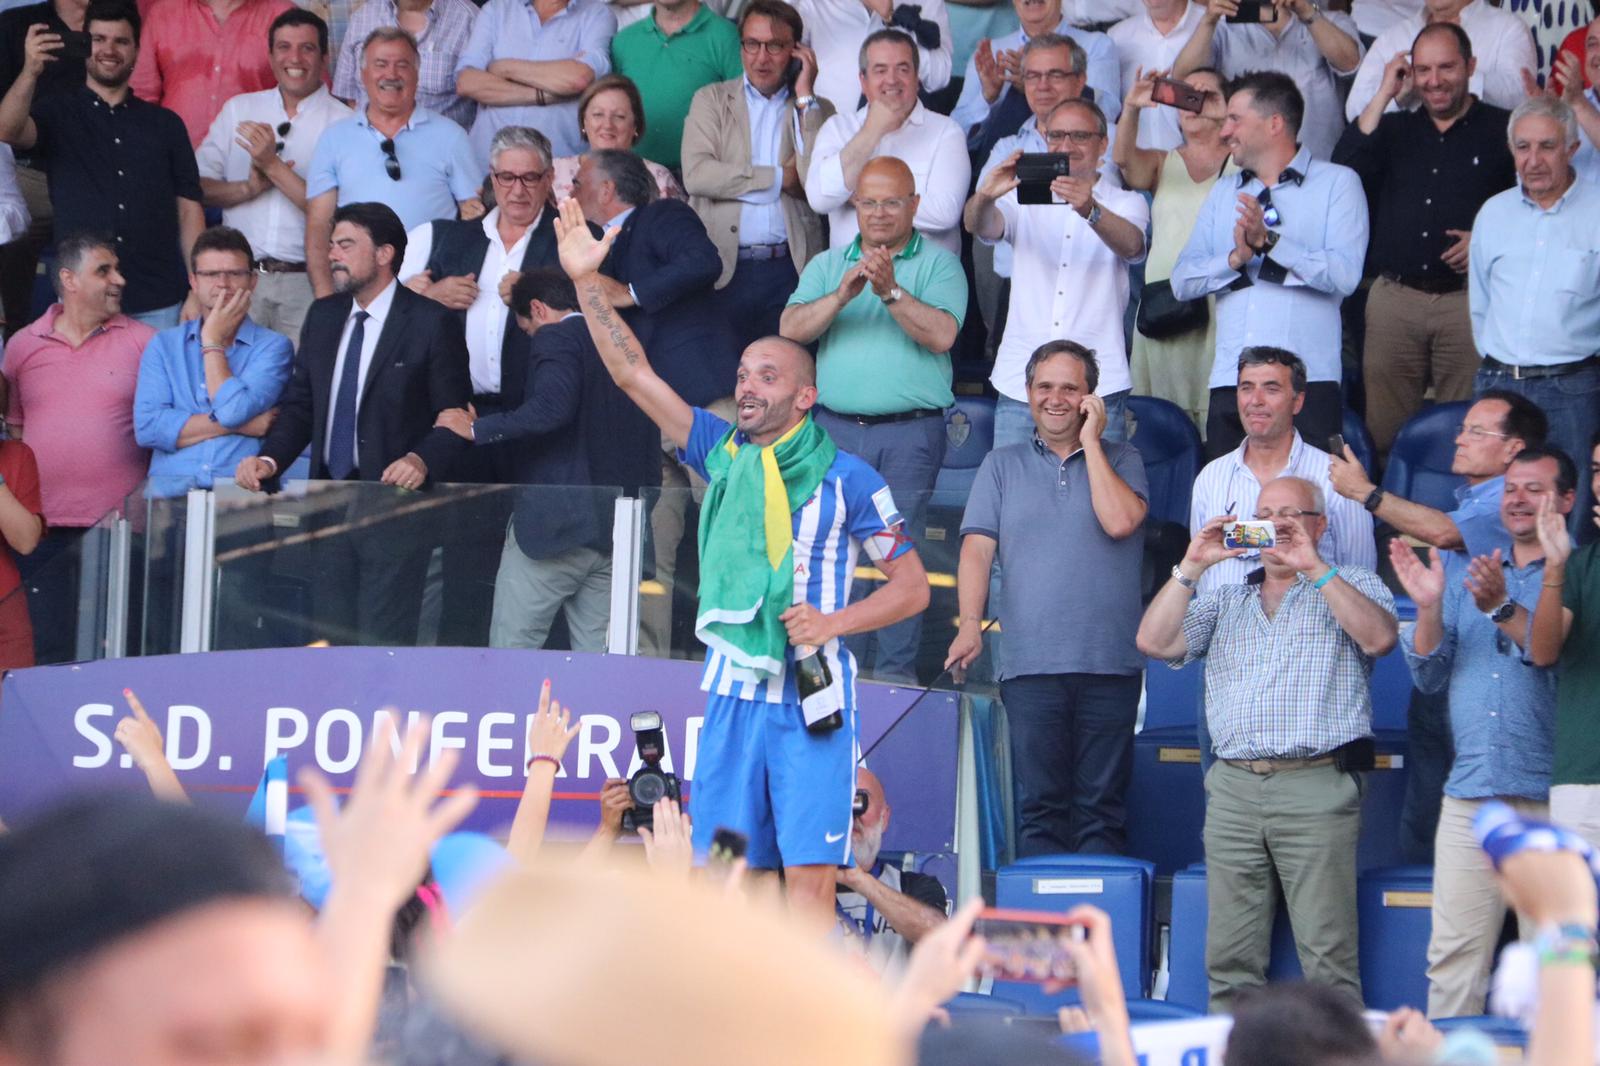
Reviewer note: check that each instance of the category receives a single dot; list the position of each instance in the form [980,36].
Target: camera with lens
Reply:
[651,783]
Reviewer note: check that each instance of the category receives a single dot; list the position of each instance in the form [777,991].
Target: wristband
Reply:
[540,756]
[1177,575]
[1333,572]
[1568,944]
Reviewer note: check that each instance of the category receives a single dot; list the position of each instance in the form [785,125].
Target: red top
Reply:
[192,65]
[17,466]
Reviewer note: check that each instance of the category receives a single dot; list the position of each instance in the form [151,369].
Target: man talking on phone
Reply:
[746,145]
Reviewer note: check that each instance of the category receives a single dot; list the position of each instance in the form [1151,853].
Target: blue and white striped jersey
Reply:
[851,512]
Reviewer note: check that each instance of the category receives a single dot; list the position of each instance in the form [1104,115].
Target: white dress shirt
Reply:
[14,217]
[929,143]
[1228,486]
[1066,283]
[273,225]
[1501,44]
[1374,16]
[1029,139]
[486,318]
[378,311]
[835,30]
[761,213]
[1141,45]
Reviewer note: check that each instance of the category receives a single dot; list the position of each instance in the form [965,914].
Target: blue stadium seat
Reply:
[1158,1010]
[1360,441]
[1172,453]
[973,1004]
[1119,886]
[1419,461]
[1396,911]
[1172,697]
[1390,685]
[1187,985]
[969,435]
[1167,798]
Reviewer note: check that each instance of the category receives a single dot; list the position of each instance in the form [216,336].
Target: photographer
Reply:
[1289,658]
[889,908]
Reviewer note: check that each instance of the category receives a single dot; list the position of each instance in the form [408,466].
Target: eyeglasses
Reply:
[1054,76]
[527,181]
[1287,513]
[1269,214]
[283,133]
[223,275]
[1478,432]
[870,206]
[751,46]
[391,162]
[1078,137]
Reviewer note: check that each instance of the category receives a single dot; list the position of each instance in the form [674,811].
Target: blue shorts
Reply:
[790,791]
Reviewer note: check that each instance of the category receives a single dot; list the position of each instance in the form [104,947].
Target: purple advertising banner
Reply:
[224,714]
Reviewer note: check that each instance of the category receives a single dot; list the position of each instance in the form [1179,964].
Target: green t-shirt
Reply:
[670,70]
[1578,690]
[867,364]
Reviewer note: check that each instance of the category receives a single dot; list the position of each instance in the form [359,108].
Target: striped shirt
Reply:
[851,512]
[1227,485]
[1292,686]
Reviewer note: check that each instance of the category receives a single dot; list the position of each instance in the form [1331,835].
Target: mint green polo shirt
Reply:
[670,70]
[867,364]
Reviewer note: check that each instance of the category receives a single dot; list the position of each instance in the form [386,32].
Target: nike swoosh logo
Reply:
[833,838]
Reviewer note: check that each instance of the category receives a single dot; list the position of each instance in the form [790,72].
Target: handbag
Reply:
[1162,315]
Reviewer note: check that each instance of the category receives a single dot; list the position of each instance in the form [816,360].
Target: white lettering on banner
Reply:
[87,730]
[353,741]
[488,743]
[1196,1042]
[278,741]
[691,745]
[384,719]
[177,714]
[441,740]
[588,749]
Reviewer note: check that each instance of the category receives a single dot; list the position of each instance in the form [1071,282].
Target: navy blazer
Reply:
[664,253]
[418,369]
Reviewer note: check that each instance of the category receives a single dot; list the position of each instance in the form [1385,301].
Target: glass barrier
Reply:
[363,563]
[56,607]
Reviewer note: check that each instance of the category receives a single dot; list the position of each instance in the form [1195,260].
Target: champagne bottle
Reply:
[812,678]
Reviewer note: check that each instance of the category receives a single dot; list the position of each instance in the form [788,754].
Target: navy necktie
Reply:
[342,441]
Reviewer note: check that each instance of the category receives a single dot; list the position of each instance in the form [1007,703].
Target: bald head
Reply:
[1290,492]
[868,780]
[893,170]
[886,203]
[785,353]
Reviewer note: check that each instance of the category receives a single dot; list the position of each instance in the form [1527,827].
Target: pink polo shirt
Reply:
[74,408]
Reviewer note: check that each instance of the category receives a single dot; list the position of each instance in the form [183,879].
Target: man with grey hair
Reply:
[470,266]
[392,152]
[1065,504]
[895,123]
[1533,284]
[1289,659]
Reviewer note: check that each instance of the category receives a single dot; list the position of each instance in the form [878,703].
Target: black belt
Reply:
[764,251]
[1435,286]
[1522,373]
[898,416]
[268,265]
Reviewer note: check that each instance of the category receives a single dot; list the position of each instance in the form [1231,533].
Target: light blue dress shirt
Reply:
[1477,517]
[1291,298]
[510,29]
[1104,75]
[172,387]
[761,216]
[436,166]
[1534,277]
[1502,707]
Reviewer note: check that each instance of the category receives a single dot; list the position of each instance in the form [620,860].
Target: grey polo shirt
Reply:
[1069,598]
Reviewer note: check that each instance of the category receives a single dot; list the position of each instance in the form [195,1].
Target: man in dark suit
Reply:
[661,274]
[470,267]
[574,428]
[376,365]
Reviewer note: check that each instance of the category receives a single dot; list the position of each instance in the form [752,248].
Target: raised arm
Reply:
[624,358]
[1349,479]
[549,734]
[1552,619]
[16,124]
[1199,51]
[1141,167]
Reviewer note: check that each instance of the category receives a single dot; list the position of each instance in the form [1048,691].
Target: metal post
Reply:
[199,566]
[627,553]
[969,850]
[118,567]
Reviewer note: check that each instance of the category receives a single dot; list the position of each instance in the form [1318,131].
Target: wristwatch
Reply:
[803,102]
[1093,218]
[1316,13]
[894,294]
[1177,575]
[1270,242]
[1501,613]
[1373,501]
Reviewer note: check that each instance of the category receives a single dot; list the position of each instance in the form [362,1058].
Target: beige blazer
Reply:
[717,168]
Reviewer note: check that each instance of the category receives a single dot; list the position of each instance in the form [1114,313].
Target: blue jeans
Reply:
[1571,402]
[161,317]
[1013,421]
[1072,754]
[908,455]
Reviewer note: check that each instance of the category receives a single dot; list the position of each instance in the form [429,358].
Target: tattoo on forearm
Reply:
[600,308]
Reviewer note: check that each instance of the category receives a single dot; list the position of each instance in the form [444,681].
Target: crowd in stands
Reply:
[336,232]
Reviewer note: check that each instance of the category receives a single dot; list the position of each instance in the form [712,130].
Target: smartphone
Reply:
[1336,445]
[791,73]
[1035,172]
[1252,535]
[1178,94]
[1255,11]
[728,846]
[1028,946]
